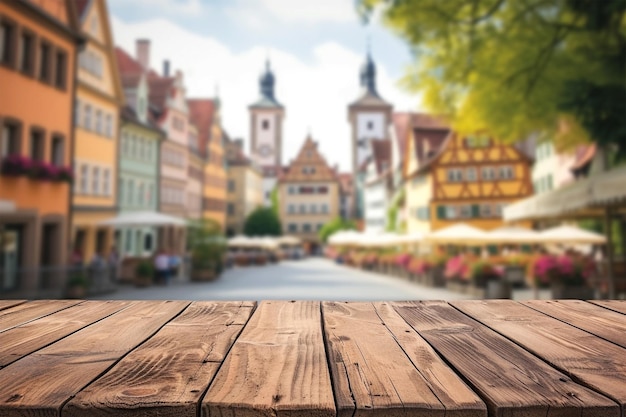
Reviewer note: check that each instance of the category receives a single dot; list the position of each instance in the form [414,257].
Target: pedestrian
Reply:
[174,264]
[76,259]
[161,266]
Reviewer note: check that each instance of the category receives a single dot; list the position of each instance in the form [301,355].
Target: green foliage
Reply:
[144,269]
[518,67]
[334,226]
[275,202]
[207,245]
[262,222]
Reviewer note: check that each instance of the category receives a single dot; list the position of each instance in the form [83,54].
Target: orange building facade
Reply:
[38,44]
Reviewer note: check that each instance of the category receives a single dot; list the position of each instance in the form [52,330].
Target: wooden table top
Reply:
[307,358]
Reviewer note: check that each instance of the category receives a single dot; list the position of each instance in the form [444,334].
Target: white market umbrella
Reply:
[239,241]
[143,218]
[414,237]
[459,234]
[569,235]
[345,237]
[513,235]
[288,240]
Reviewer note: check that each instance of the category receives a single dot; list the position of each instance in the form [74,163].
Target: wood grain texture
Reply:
[277,366]
[615,305]
[24,313]
[510,380]
[373,365]
[607,324]
[39,384]
[4,304]
[589,360]
[167,375]
[34,335]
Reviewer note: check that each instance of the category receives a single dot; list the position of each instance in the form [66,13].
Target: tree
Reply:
[206,242]
[275,202]
[262,222]
[518,67]
[334,226]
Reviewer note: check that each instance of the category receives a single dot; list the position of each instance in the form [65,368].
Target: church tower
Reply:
[370,118]
[266,131]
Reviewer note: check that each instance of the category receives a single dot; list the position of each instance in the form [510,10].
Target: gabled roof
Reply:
[201,114]
[127,64]
[429,134]
[160,89]
[401,123]
[128,114]
[309,165]
[367,99]
[583,156]
[346,182]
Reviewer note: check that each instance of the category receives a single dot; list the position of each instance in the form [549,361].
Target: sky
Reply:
[316,49]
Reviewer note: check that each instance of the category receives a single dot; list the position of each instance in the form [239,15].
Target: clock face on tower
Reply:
[265,150]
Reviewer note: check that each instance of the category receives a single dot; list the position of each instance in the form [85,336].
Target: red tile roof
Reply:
[381,152]
[402,125]
[584,155]
[429,136]
[201,114]
[346,182]
[127,64]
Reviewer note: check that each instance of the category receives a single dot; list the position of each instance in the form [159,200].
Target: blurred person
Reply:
[113,261]
[174,265]
[76,259]
[161,266]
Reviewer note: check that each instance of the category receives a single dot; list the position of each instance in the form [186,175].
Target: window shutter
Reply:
[441,212]
[475,211]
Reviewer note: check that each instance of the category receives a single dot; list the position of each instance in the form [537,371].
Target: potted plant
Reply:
[16,165]
[567,275]
[515,267]
[488,281]
[77,284]
[207,251]
[144,273]
[435,274]
[457,273]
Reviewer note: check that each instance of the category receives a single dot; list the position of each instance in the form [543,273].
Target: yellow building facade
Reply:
[99,97]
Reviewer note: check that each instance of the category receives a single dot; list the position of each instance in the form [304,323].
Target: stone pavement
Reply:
[308,279]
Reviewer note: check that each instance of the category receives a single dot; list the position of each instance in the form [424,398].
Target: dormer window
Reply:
[265,124]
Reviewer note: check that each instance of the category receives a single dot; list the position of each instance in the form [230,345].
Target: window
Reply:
[292,190]
[108,126]
[292,227]
[485,210]
[141,190]
[451,212]
[7,37]
[26,53]
[322,190]
[291,209]
[231,186]
[120,190]
[44,61]
[132,148]
[506,172]
[306,228]
[488,173]
[319,226]
[324,208]
[305,170]
[95,180]
[106,181]
[87,115]
[84,179]
[231,209]
[98,122]
[265,124]
[60,73]
[77,112]
[498,209]
[150,195]
[470,174]
[57,154]
[131,192]
[302,208]
[465,211]
[455,175]
[313,208]
[37,145]
[10,139]
[423,213]
[370,125]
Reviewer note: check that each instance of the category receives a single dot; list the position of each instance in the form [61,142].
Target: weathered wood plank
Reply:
[4,304]
[277,366]
[40,383]
[589,360]
[32,336]
[168,374]
[615,305]
[373,355]
[509,379]
[607,324]
[24,313]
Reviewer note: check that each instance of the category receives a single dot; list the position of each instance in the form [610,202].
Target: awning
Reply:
[513,235]
[143,218]
[586,197]
[569,235]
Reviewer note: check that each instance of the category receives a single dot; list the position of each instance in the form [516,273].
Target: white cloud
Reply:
[167,7]
[315,95]
[311,11]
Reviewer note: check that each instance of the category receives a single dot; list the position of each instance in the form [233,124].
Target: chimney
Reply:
[142,52]
[166,68]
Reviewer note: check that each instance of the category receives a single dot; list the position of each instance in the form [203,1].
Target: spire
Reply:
[267,82]
[368,72]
